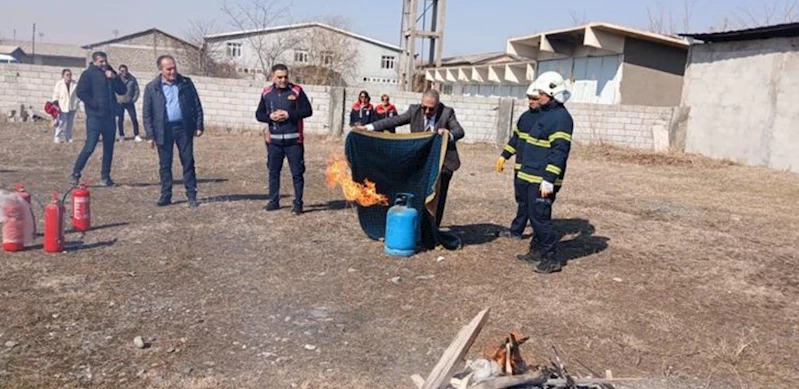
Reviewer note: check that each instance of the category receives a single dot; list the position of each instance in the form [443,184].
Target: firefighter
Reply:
[546,151]
[283,106]
[515,147]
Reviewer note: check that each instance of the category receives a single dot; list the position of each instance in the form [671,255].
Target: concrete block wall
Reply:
[230,105]
[758,129]
[477,115]
[621,125]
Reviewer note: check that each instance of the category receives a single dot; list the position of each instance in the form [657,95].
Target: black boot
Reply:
[532,256]
[164,200]
[271,206]
[548,264]
[108,182]
[508,234]
[296,210]
[193,203]
[75,180]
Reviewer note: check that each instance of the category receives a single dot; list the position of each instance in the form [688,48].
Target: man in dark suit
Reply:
[173,116]
[430,115]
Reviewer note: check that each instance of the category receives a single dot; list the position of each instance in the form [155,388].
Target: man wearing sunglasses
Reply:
[432,116]
[546,151]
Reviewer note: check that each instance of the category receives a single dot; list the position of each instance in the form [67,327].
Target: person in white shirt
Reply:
[65,94]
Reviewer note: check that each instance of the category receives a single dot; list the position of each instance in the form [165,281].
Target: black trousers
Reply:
[275,154]
[176,135]
[131,109]
[519,222]
[95,127]
[539,211]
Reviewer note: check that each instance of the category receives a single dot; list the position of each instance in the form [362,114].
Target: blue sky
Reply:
[472,26]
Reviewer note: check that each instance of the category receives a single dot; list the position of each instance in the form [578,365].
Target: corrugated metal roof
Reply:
[45,48]
[137,34]
[269,30]
[785,30]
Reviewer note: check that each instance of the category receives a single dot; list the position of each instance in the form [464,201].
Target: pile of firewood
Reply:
[503,366]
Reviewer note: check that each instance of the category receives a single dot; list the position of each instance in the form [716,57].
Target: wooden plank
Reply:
[444,369]
[417,380]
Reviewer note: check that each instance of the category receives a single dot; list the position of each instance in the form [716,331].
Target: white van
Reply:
[4,58]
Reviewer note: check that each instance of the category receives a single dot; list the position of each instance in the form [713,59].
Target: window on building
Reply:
[387,62]
[301,56]
[327,58]
[233,50]
[447,89]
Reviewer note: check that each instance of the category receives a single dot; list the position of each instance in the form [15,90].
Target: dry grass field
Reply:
[682,271]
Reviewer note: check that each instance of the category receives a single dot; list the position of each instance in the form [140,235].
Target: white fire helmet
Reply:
[551,84]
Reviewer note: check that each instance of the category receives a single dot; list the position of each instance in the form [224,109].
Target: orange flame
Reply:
[338,174]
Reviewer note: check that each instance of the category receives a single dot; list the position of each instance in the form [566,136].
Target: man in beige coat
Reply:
[66,96]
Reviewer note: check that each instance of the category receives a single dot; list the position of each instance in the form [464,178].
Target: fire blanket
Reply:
[400,163]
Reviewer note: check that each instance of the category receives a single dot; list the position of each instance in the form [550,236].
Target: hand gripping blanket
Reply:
[398,163]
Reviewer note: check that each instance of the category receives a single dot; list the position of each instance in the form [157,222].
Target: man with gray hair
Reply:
[430,115]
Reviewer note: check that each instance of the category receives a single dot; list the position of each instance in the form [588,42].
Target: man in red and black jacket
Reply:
[283,107]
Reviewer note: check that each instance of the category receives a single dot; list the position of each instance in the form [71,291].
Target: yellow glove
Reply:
[499,166]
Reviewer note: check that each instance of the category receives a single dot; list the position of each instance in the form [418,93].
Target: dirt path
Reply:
[682,271]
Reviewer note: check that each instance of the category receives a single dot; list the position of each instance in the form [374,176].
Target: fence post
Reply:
[504,119]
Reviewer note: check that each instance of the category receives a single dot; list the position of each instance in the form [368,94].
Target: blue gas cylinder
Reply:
[402,227]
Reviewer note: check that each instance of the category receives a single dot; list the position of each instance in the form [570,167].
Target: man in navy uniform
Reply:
[544,166]
[283,106]
[515,147]
[173,116]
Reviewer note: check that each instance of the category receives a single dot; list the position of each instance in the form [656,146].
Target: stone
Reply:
[11,344]
[397,280]
[310,347]
[139,342]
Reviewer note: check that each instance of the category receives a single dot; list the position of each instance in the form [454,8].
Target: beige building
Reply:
[605,64]
[141,49]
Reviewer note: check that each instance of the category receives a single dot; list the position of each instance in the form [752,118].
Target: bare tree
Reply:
[766,14]
[257,15]
[210,60]
[332,56]
[578,19]
[662,20]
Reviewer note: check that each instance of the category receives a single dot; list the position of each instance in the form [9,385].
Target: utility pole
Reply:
[411,33]
[33,45]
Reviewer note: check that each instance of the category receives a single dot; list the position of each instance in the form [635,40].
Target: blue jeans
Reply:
[176,135]
[96,126]
[274,163]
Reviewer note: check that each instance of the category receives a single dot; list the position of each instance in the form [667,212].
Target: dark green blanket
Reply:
[400,163]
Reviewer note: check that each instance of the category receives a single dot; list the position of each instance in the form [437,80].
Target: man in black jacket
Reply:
[97,88]
[431,115]
[173,115]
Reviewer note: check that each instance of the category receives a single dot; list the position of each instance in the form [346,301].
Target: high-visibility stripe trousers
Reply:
[539,210]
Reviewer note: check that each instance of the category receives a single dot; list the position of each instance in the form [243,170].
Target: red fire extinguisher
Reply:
[81,208]
[13,230]
[54,225]
[21,192]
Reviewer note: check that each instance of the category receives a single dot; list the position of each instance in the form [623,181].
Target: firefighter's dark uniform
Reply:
[516,146]
[284,139]
[545,154]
